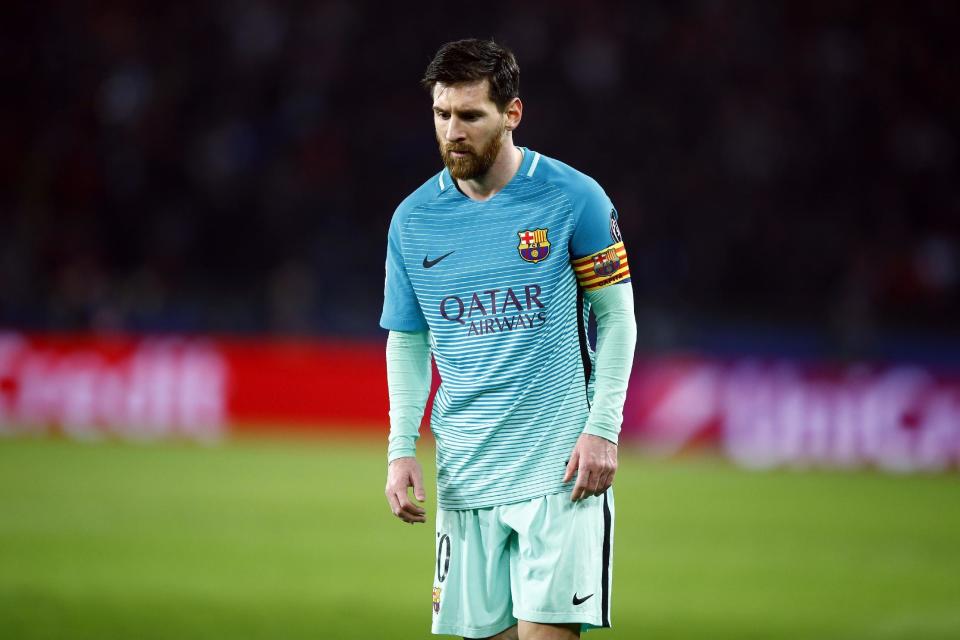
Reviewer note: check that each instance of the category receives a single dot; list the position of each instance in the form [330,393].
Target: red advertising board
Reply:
[759,413]
[88,386]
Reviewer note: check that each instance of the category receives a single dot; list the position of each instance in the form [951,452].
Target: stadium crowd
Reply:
[781,169]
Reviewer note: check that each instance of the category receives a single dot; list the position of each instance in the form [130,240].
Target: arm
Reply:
[408,381]
[594,458]
[603,272]
[616,340]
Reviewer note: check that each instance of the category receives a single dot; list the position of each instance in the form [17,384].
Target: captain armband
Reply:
[605,267]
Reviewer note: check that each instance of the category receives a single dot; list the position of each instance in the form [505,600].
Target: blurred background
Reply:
[233,166]
[194,199]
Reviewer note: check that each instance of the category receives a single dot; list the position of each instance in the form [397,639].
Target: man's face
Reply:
[469,127]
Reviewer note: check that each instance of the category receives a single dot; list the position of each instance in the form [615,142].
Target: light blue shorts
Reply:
[545,560]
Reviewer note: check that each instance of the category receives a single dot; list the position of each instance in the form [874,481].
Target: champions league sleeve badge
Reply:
[615,234]
[533,246]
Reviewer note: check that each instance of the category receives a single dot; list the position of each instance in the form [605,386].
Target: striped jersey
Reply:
[500,286]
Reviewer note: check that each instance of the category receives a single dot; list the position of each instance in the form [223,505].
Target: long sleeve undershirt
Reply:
[408,381]
[616,340]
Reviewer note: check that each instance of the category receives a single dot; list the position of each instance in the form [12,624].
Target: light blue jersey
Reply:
[500,284]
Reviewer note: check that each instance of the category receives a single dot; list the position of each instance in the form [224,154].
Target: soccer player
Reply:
[493,266]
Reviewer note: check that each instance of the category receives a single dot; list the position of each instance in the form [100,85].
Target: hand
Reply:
[403,473]
[594,460]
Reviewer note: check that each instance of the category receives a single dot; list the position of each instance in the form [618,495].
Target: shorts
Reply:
[546,560]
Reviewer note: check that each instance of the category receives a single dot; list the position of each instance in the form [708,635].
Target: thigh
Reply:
[471,574]
[561,560]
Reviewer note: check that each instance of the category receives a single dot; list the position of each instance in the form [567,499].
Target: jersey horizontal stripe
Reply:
[503,313]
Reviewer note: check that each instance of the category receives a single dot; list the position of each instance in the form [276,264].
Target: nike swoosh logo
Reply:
[577,600]
[427,263]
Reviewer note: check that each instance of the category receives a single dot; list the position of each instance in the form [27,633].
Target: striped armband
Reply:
[602,268]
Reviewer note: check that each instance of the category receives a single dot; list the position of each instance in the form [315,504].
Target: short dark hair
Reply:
[471,60]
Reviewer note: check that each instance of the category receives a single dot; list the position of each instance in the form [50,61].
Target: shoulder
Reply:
[425,193]
[577,186]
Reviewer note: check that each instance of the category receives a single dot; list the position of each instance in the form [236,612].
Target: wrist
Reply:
[611,435]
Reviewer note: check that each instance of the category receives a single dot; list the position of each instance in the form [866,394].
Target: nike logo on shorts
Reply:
[577,600]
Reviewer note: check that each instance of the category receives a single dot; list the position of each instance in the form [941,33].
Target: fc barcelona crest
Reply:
[606,263]
[533,246]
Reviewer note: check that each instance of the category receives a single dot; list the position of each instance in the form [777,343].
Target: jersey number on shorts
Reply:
[443,555]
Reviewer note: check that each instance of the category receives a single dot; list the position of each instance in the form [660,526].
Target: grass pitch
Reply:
[293,539]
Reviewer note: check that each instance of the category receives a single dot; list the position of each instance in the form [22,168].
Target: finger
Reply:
[405,513]
[609,479]
[580,488]
[418,491]
[572,465]
[413,512]
[412,519]
[411,508]
[407,505]
[596,481]
[602,483]
[394,504]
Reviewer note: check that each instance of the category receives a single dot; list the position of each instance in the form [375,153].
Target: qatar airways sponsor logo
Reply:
[900,418]
[496,310]
[153,388]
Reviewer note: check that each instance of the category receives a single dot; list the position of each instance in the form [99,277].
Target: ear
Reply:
[514,113]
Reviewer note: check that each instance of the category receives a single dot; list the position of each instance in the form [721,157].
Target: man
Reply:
[493,266]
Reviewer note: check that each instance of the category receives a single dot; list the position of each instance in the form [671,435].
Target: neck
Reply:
[496,178]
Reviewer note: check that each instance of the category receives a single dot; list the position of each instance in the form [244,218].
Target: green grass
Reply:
[293,539]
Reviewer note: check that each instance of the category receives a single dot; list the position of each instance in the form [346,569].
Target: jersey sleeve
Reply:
[401,309]
[598,256]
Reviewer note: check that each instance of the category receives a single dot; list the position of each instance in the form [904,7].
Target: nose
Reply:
[454,131]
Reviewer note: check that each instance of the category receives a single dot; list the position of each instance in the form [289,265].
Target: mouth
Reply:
[458,153]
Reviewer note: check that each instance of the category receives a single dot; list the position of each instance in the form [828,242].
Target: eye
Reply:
[443,115]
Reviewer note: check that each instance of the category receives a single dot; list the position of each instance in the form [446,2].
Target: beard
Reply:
[472,165]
